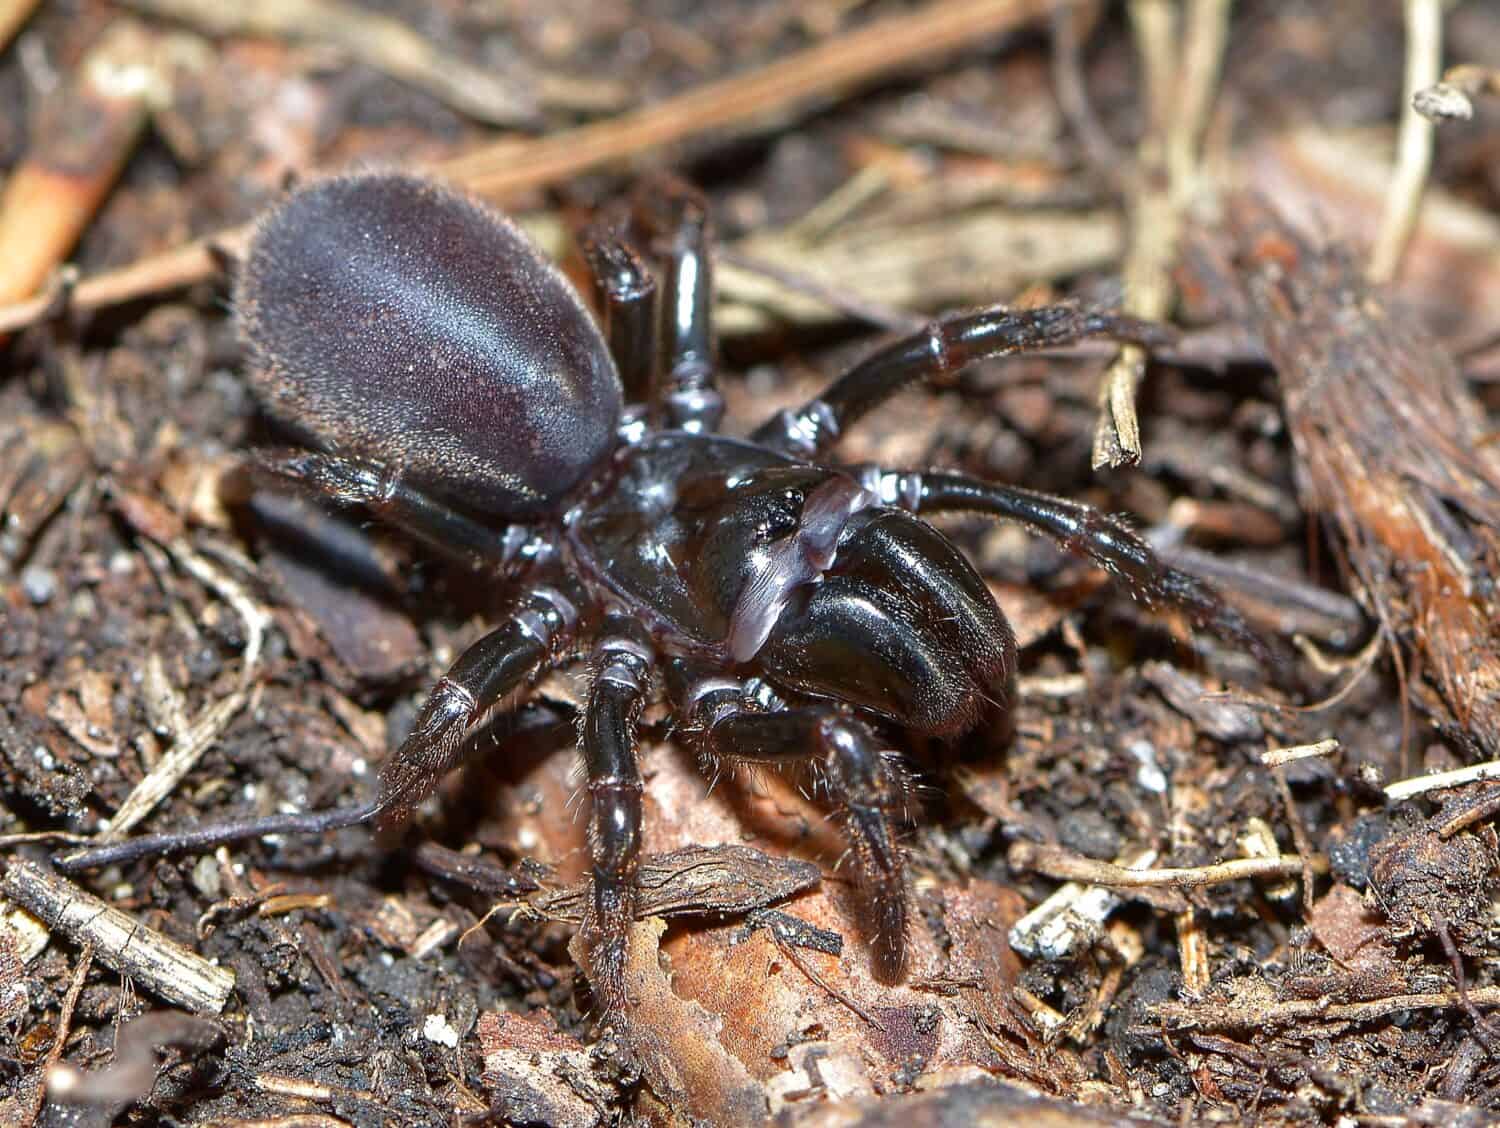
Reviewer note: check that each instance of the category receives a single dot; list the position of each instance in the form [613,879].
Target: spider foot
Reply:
[881,877]
[606,939]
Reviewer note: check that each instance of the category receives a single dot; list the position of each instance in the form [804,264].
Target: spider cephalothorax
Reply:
[450,379]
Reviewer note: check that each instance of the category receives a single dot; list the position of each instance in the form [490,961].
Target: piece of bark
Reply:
[1333,179]
[155,962]
[1391,454]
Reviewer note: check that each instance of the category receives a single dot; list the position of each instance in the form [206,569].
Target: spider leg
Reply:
[728,721]
[627,294]
[545,620]
[349,482]
[1078,528]
[679,214]
[621,676]
[937,353]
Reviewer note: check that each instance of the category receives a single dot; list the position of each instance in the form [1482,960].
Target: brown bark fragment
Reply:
[1390,445]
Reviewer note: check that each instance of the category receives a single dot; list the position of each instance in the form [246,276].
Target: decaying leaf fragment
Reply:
[718,881]
[676,1041]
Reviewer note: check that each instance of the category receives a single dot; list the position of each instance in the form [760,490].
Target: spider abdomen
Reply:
[394,320]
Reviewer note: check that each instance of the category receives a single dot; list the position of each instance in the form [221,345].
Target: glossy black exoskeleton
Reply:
[450,380]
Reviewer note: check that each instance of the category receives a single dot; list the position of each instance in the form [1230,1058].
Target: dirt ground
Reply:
[1184,883]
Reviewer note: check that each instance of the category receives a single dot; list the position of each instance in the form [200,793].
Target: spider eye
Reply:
[783,515]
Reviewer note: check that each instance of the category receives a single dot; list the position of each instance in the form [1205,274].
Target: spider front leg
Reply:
[937,354]
[627,295]
[729,723]
[351,482]
[1079,529]
[678,215]
[621,671]
[545,621]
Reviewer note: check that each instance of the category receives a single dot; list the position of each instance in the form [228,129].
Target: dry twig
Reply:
[1442,781]
[121,942]
[1277,757]
[1068,866]
[1240,1016]
[1161,188]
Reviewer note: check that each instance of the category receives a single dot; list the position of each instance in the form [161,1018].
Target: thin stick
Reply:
[1068,866]
[819,71]
[1403,201]
[121,942]
[1276,757]
[1441,781]
[1099,151]
[1299,835]
[1163,185]
[1241,1017]
[1204,41]
[503,171]
[790,952]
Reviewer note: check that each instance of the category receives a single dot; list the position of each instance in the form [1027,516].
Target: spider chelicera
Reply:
[449,379]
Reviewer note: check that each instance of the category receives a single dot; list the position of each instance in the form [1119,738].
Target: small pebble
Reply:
[206,877]
[439,1030]
[1443,103]
[39,584]
[1149,775]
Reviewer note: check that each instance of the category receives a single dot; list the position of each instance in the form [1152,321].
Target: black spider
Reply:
[453,381]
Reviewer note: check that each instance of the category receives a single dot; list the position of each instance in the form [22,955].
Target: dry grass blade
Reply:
[390,46]
[1424,55]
